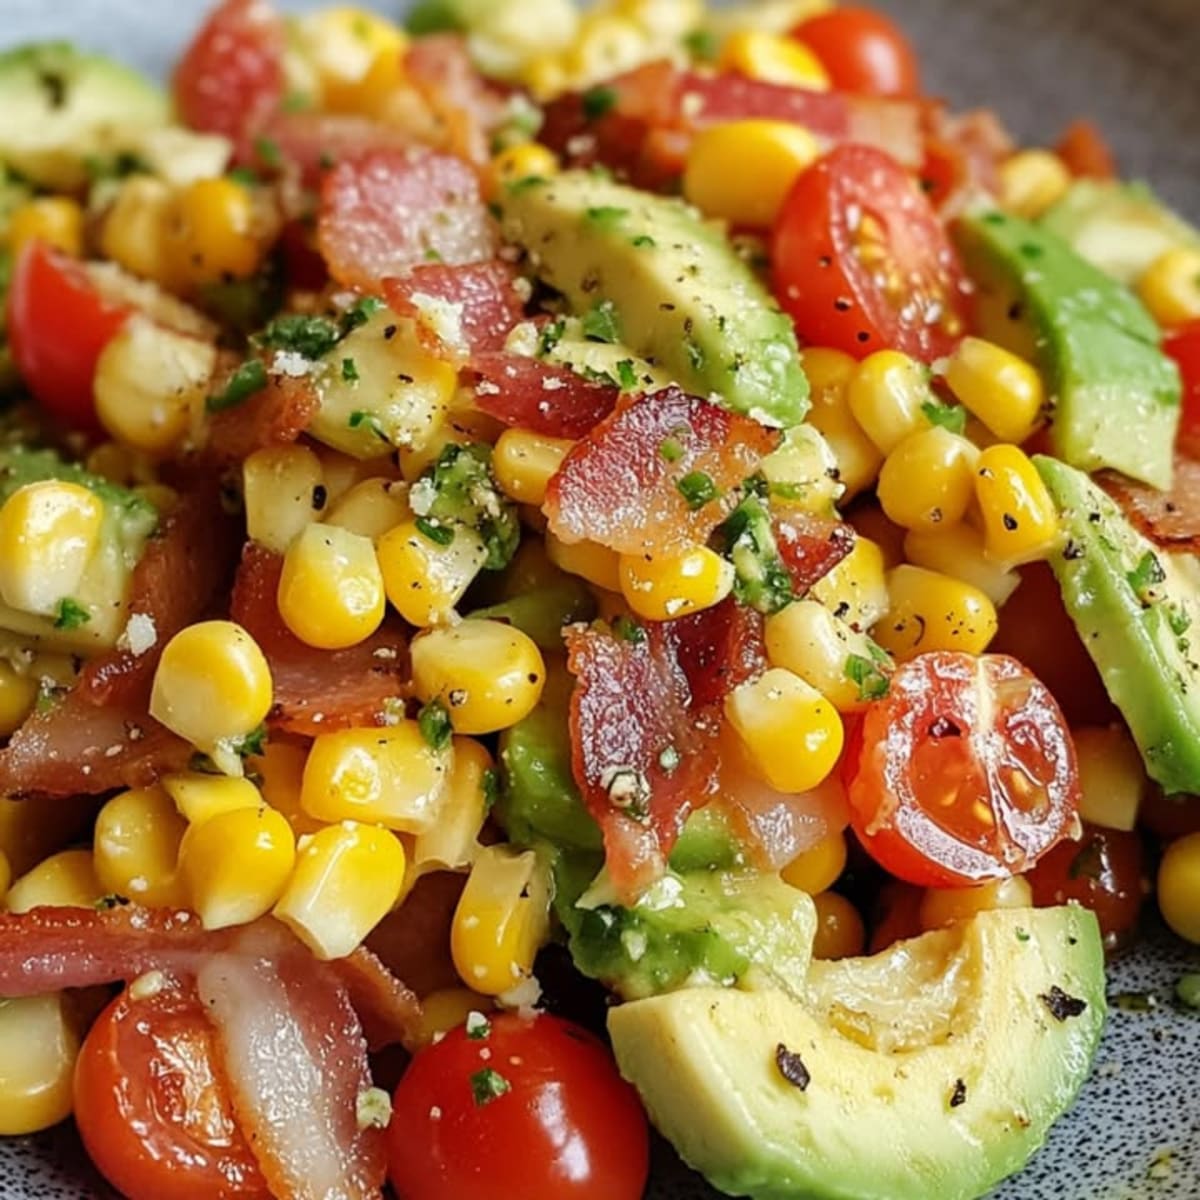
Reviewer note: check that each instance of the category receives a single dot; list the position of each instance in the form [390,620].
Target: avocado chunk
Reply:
[1138,614]
[933,1069]
[63,111]
[1119,227]
[1116,395]
[647,271]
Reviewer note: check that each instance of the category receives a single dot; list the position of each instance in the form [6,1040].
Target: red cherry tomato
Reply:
[963,772]
[153,1108]
[1183,345]
[58,323]
[1103,872]
[532,1108]
[863,52]
[862,263]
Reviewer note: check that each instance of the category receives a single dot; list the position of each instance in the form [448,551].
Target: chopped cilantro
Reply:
[627,374]
[71,614]
[246,381]
[600,324]
[598,101]
[695,353]
[607,214]
[478,1027]
[252,743]
[442,535]
[297,101]
[488,1085]
[946,416]
[432,16]
[349,370]
[1145,575]
[360,417]
[311,337]
[550,336]
[434,721]
[432,256]
[643,241]
[267,150]
[526,184]
[871,680]
[628,630]
[761,580]
[460,489]
[702,44]
[1022,934]
[360,312]
[246,176]
[1179,620]
[109,902]
[697,488]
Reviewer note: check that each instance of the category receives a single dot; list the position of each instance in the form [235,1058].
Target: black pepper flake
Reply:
[842,304]
[1060,1005]
[791,1067]
[863,336]
[1072,550]
[1010,522]
[959,1095]
[319,496]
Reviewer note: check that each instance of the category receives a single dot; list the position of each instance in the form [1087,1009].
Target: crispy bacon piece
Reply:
[1170,519]
[718,650]
[1086,152]
[810,546]
[316,691]
[635,483]
[539,396]
[391,210]
[275,416]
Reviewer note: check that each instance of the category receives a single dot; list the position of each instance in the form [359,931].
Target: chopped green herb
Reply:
[600,324]
[360,417]
[478,1027]
[671,449]
[111,901]
[71,614]
[249,379]
[697,488]
[526,184]
[865,673]
[627,375]
[297,101]
[1022,934]
[628,630]
[644,241]
[761,580]
[310,337]
[695,353]
[252,743]
[607,214]
[267,150]
[1179,619]
[360,312]
[1145,575]
[432,16]
[460,489]
[598,101]
[702,44]
[551,334]
[488,1085]
[433,256]
[434,722]
[349,370]
[946,416]
[442,535]
[246,176]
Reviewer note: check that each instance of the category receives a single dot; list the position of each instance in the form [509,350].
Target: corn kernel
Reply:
[64,880]
[347,878]
[855,591]
[425,578]
[887,395]
[198,797]
[530,160]
[941,907]
[817,869]
[840,930]
[771,58]
[280,769]
[136,845]
[284,491]
[1020,520]
[525,462]
[1031,181]
[742,171]
[134,231]
[858,459]
[1179,887]
[18,695]
[502,919]
[606,45]
[236,864]
[931,611]
[1112,777]
[38,1047]
[211,234]
[331,589]
[660,588]
[958,552]
[792,734]
[212,686]
[589,560]
[928,481]
[345,44]
[1004,391]
[452,842]
[371,508]
[802,472]
[1170,287]
[55,220]
[447,1009]
[390,776]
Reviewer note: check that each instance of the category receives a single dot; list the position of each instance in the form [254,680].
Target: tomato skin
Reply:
[863,52]
[1183,345]
[838,300]
[1085,151]
[964,772]
[152,1107]
[569,1127]
[58,324]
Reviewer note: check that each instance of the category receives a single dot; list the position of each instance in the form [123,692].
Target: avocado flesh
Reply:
[1140,631]
[681,297]
[62,110]
[1116,395]
[887,1041]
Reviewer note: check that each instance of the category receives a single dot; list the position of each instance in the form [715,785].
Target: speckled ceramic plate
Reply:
[1135,1133]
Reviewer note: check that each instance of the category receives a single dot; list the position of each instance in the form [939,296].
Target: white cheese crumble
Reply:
[289,362]
[139,634]
[373,1109]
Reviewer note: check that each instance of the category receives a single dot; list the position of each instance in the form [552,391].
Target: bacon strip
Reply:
[275,416]
[1169,519]
[539,396]
[810,546]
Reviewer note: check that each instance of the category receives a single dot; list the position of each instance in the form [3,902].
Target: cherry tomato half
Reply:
[527,1109]
[863,52]
[153,1108]
[58,323]
[964,772]
[1184,347]
[862,263]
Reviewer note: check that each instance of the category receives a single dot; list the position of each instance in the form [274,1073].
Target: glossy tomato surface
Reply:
[863,51]
[526,1109]
[153,1108]
[1183,345]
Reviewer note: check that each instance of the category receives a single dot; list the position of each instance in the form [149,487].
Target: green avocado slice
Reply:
[929,1072]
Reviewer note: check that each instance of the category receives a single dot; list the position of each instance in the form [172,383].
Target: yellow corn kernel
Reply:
[928,481]
[931,611]
[390,776]
[959,553]
[198,797]
[772,58]
[5,876]
[1170,287]
[345,45]
[589,560]
[347,878]
[1003,390]
[134,231]
[211,233]
[742,171]
[529,160]
[792,734]
[212,686]
[340,472]
[669,21]
[660,588]
[1020,520]
[1179,887]
[150,386]
[280,769]
[1112,777]
[941,907]
[606,45]
[236,864]
[55,220]
[525,462]
[819,868]
[488,675]
[452,842]
[545,76]
[38,1047]
[447,1009]
[135,848]
[331,589]
[1031,181]
[64,880]
[371,508]
[803,472]
[858,459]
[808,640]
[425,578]
[502,920]
[887,394]
[840,930]
[18,695]
[855,591]
[284,491]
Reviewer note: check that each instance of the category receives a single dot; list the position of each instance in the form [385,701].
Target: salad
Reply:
[568,571]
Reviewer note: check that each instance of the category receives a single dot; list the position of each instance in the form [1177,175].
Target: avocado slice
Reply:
[62,110]
[1119,227]
[933,1069]
[645,270]
[1116,395]
[1138,614]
